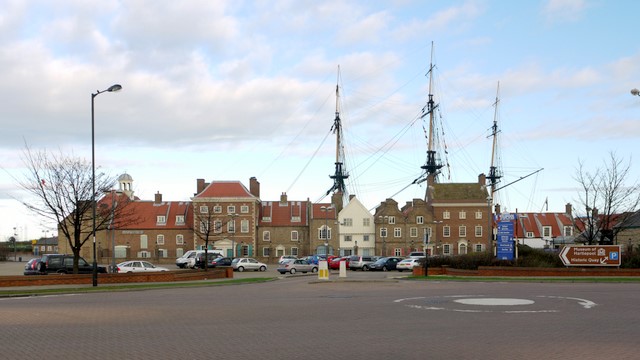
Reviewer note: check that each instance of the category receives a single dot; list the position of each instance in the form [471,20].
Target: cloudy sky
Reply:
[227,90]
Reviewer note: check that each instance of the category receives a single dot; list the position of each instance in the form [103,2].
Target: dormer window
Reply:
[161,220]
[179,219]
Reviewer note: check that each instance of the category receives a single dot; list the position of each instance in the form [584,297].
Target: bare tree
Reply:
[208,228]
[61,191]
[606,198]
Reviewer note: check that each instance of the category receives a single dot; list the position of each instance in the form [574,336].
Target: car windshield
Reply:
[235,261]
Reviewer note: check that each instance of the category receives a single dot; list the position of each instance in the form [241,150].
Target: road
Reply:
[354,318]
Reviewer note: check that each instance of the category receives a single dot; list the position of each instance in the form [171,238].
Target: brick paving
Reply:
[300,317]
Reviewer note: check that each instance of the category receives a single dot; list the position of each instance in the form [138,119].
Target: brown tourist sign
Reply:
[591,255]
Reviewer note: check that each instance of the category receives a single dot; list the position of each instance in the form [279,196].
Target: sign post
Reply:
[591,255]
[504,237]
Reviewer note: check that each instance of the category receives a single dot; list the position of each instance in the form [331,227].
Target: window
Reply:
[392,219]
[446,249]
[568,231]
[365,237]
[446,231]
[478,247]
[217,209]
[204,209]
[231,209]
[419,219]
[383,232]
[294,251]
[144,254]
[546,231]
[217,226]
[294,235]
[204,227]
[397,252]
[231,226]
[413,232]
[266,236]
[179,239]
[244,209]
[348,222]
[478,214]
[397,232]
[244,226]
[462,249]
[446,214]
[348,238]
[462,214]
[324,233]
[366,222]
[161,220]
[266,252]
[462,231]
[160,239]
[478,231]
[143,241]
[179,219]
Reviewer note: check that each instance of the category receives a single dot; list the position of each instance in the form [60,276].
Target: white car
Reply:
[407,264]
[138,266]
[242,264]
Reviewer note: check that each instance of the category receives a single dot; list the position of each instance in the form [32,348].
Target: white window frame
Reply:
[446,231]
[446,214]
[204,209]
[295,235]
[478,215]
[419,219]
[366,222]
[397,232]
[347,222]
[462,214]
[462,231]
[348,238]
[392,220]
[266,235]
[161,220]
[478,231]
[446,249]
[217,209]
[244,209]
[179,219]
[546,231]
[231,209]
[179,239]
[244,226]
[160,239]
[413,232]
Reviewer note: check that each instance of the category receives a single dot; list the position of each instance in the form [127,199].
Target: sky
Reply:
[229,90]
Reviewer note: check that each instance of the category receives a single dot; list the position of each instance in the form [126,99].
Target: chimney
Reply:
[498,209]
[199,186]
[158,198]
[482,179]
[254,187]
[568,209]
[283,198]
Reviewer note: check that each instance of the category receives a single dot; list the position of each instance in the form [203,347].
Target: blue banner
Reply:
[504,241]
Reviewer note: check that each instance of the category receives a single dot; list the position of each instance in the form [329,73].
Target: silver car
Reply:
[242,264]
[297,265]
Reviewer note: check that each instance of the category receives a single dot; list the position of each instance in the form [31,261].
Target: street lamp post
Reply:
[233,243]
[111,88]
[46,233]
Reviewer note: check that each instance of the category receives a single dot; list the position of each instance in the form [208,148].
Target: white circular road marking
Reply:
[481,304]
[494,301]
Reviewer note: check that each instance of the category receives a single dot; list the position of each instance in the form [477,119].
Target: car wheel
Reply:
[384,268]
[240,268]
[365,268]
[292,271]
[314,270]
[263,268]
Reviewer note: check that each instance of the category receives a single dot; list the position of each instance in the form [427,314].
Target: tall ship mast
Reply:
[432,166]
[340,175]
[494,173]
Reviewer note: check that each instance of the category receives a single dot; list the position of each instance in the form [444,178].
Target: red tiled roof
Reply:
[223,189]
[144,214]
[284,213]
[534,222]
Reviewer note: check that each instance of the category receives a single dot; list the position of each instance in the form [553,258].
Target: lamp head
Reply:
[114,88]
[635,92]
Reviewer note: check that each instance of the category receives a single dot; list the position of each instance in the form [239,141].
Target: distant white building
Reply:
[357,229]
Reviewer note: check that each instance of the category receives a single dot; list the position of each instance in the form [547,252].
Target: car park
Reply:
[242,264]
[361,262]
[407,264]
[135,266]
[385,263]
[298,265]
[63,264]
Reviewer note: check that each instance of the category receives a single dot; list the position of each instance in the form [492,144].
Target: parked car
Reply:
[199,259]
[407,264]
[221,261]
[416,255]
[298,265]
[138,266]
[335,262]
[32,267]
[286,257]
[385,263]
[63,264]
[361,262]
[191,261]
[242,264]
[183,260]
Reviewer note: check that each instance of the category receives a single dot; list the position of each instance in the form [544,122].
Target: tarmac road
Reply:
[300,317]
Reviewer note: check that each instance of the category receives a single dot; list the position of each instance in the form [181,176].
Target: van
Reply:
[183,260]
[361,262]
